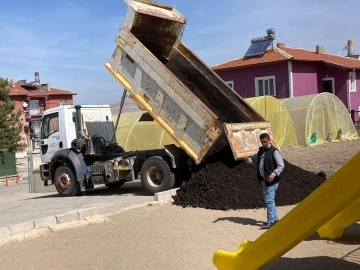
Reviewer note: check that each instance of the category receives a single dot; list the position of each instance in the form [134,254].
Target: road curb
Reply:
[60,219]
[4,232]
[45,222]
[165,195]
[21,227]
[67,217]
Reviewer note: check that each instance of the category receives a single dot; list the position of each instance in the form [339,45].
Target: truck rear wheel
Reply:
[65,182]
[156,175]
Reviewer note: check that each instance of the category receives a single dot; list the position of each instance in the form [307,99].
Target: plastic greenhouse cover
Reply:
[280,120]
[322,116]
[138,131]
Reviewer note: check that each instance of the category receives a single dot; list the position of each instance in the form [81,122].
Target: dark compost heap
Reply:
[224,184]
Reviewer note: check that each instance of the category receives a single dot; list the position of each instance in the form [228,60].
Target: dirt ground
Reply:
[326,157]
[170,237]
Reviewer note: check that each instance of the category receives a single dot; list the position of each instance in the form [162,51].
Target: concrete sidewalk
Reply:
[18,205]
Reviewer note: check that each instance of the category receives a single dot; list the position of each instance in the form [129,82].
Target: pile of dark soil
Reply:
[224,184]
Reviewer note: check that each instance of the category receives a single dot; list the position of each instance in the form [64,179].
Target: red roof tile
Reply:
[307,55]
[279,55]
[24,90]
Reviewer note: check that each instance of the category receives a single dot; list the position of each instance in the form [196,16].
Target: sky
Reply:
[68,42]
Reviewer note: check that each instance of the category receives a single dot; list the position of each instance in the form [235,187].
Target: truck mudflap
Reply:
[244,137]
[45,173]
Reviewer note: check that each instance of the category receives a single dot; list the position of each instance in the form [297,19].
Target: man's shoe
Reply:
[267,225]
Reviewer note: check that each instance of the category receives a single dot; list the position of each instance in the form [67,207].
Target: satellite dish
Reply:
[25,104]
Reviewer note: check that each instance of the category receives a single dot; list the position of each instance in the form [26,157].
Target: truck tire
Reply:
[116,184]
[66,183]
[156,175]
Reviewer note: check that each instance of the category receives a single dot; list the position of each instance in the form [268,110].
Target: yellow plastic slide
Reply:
[331,207]
[335,227]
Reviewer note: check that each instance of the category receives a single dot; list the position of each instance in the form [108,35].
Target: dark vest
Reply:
[269,164]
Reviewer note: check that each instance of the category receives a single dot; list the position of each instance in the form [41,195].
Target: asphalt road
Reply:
[17,205]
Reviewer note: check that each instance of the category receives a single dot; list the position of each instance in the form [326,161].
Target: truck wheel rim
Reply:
[64,181]
[154,176]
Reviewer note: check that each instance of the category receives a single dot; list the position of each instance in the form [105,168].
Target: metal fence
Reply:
[7,163]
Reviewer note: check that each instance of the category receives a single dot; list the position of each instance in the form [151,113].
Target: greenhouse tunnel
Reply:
[304,120]
[280,120]
[139,131]
[320,117]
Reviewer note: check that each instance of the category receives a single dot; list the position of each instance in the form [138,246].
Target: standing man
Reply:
[269,167]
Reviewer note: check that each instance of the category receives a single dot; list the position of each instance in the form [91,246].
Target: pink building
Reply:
[32,98]
[285,72]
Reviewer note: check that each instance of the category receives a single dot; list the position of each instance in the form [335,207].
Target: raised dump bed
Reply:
[199,110]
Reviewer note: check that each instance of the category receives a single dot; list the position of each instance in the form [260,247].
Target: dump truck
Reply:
[175,87]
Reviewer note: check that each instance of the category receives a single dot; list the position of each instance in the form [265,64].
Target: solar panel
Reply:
[258,48]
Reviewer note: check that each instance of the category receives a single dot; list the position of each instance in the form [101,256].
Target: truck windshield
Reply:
[49,125]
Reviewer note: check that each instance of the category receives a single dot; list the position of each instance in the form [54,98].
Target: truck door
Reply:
[51,136]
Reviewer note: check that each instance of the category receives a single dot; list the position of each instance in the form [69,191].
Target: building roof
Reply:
[19,89]
[282,54]
[130,105]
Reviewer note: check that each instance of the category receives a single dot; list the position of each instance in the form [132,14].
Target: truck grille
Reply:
[98,168]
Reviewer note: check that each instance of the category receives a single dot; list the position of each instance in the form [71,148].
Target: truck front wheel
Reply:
[156,175]
[65,181]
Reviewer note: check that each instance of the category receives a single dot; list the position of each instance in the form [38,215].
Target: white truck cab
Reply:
[58,126]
